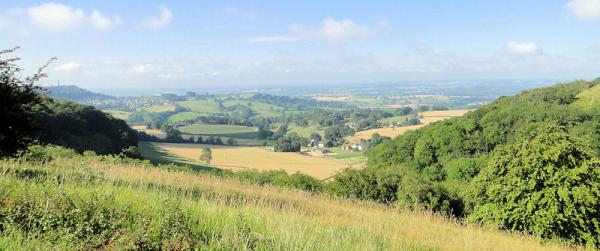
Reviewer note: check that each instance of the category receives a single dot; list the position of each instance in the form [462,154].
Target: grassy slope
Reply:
[589,98]
[183,116]
[201,106]
[354,159]
[306,131]
[159,108]
[225,214]
[118,114]
[262,108]
[234,131]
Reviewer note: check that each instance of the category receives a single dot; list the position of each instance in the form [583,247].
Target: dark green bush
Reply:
[546,185]
[38,153]
[422,195]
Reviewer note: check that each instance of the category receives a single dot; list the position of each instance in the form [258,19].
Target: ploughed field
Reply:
[259,158]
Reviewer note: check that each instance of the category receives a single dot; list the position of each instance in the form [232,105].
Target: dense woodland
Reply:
[82,128]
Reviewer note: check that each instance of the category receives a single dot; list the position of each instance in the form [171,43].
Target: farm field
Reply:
[200,106]
[158,155]
[305,131]
[143,128]
[340,98]
[350,158]
[427,118]
[233,131]
[262,108]
[219,213]
[159,108]
[178,117]
[259,158]
[118,114]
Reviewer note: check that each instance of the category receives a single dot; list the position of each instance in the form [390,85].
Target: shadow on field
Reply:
[159,156]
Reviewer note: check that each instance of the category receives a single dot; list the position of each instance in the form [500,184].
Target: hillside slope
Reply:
[508,164]
[589,99]
[90,202]
[73,93]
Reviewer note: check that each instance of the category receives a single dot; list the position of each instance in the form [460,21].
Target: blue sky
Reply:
[112,45]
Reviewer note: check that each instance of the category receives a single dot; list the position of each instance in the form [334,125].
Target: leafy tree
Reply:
[315,136]
[173,135]
[264,132]
[211,140]
[206,155]
[419,194]
[548,185]
[81,128]
[288,144]
[231,141]
[17,101]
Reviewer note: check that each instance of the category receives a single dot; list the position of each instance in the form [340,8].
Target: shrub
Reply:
[39,153]
[428,196]
[546,185]
[305,182]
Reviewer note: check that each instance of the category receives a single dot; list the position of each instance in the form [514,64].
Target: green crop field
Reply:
[159,108]
[200,106]
[353,159]
[183,116]
[305,131]
[118,114]
[233,131]
[262,108]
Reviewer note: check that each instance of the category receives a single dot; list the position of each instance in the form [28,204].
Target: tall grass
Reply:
[87,202]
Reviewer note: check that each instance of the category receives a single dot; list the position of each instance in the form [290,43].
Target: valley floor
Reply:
[259,158]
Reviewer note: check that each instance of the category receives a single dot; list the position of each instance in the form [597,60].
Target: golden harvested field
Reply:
[142,128]
[427,118]
[259,158]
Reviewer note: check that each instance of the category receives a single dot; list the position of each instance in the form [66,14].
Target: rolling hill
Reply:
[73,93]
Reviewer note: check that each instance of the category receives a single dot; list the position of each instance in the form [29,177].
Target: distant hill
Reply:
[73,93]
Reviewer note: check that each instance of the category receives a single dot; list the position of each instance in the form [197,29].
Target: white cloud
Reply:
[165,18]
[271,39]
[338,30]
[103,23]
[58,17]
[522,48]
[584,9]
[54,17]
[70,66]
